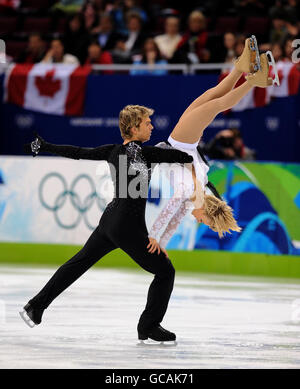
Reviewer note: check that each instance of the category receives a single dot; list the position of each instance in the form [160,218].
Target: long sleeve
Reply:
[162,221]
[159,155]
[74,152]
[173,224]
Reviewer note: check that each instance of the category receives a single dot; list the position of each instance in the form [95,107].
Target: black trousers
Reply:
[132,237]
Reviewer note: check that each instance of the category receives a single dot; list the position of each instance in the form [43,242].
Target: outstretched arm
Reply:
[74,152]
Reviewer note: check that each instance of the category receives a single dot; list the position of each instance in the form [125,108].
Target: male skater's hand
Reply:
[153,246]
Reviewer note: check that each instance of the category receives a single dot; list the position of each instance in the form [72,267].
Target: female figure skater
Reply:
[189,189]
[122,224]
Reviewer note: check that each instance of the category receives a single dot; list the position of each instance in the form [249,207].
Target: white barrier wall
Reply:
[51,200]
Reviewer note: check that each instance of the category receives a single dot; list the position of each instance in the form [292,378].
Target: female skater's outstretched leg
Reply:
[243,64]
[225,86]
[190,128]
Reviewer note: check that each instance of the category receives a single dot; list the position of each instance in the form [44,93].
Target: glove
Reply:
[35,146]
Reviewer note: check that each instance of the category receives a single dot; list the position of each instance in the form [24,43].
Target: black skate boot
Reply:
[158,334]
[31,316]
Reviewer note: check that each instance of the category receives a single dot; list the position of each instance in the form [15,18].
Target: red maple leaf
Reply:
[46,85]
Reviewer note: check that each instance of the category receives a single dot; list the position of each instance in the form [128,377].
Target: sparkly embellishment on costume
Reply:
[137,162]
[35,146]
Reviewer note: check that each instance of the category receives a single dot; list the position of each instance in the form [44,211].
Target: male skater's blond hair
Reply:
[131,116]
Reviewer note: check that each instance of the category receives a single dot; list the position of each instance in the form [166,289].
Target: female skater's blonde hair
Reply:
[131,116]
[220,215]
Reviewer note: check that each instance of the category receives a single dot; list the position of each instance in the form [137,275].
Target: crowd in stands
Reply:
[144,32]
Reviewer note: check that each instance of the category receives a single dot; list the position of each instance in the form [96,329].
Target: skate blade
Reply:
[27,319]
[254,47]
[272,63]
[151,343]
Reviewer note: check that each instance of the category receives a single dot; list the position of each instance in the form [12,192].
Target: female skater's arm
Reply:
[175,210]
[74,152]
[170,209]
[183,210]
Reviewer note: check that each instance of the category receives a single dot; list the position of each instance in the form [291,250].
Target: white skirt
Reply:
[201,169]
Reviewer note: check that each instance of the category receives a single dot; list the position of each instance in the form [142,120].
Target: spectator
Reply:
[288,73]
[56,54]
[76,38]
[229,47]
[131,44]
[168,42]
[229,145]
[90,16]
[135,38]
[97,56]
[104,33]
[151,56]
[277,51]
[192,47]
[288,49]
[278,30]
[35,50]
[119,11]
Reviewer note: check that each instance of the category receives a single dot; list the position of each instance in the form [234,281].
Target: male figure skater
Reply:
[122,224]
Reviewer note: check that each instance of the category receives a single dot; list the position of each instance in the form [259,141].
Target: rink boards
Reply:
[50,206]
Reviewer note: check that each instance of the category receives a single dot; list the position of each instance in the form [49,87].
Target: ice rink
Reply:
[220,322]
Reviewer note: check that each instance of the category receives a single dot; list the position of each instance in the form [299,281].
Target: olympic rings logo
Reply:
[82,206]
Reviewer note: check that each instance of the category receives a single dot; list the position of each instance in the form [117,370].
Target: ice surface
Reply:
[220,322]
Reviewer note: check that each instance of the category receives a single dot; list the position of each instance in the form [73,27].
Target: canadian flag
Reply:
[289,77]
[50,88]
